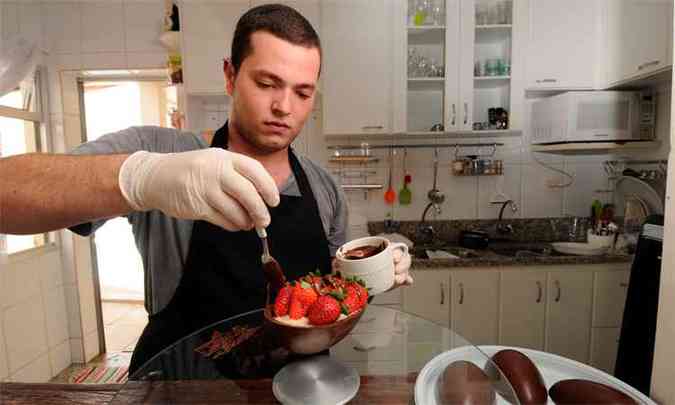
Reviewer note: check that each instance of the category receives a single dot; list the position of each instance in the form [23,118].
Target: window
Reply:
[21,128]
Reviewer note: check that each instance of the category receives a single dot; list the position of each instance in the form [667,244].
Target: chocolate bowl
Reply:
[310,339]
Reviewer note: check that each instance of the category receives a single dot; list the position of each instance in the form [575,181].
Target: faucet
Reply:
[436,198]
[502,228]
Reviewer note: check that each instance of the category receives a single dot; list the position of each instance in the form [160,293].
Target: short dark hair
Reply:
[277,19]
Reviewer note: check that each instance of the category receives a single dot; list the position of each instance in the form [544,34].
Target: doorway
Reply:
[110,104]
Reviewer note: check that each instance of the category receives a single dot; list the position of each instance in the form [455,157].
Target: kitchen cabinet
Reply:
[609,297]
[357,66]
[604,348]
[568,317]
[475,302]
[461,95]
[522,309]
[639,38]
[429,296]
[562,49]
[207,28]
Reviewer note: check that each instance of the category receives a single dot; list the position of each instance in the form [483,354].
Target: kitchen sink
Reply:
[523,251]
[420,252]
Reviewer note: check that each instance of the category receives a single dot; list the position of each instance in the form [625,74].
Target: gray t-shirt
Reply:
[163,241]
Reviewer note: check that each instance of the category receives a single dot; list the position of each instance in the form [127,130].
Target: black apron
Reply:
[223,274]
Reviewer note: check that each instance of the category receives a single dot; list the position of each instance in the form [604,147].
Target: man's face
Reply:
[273,92]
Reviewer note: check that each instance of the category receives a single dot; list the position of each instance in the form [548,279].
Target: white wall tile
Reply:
[31,22]
[104,60]
[91,346]
[461,194]
[68,255]
[146,60]
[59,357]
[73,308]
[63,26]
[144,21]
[102,26]
[539,200]
[22,280]
[4,368]
[38,371]
[25,333]
[87,306]
[57,317]
[10,19]
[51,270]
[588,179]
[489,188]
[77,351]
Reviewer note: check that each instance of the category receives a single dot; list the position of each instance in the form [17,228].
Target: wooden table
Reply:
[374,390]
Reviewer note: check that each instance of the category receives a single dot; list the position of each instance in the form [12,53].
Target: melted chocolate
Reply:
[363,252]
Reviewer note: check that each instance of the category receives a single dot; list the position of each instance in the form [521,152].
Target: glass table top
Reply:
[235,361]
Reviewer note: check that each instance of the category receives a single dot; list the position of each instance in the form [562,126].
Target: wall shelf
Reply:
[491,78]
[493,27]
[594,148]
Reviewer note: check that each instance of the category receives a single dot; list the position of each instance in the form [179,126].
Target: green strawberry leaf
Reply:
[305,284]
[337,294]
[344,309]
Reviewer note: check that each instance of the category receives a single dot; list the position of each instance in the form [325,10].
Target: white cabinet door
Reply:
[429,296]
[639,37]
[522,310]
[562,43]
[604,348]
[467,38]
[568,316]
[475,303]
[357,66]
[208,28]
[609,297]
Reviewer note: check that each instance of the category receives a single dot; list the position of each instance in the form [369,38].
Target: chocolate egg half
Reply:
[577,391]
[465,383]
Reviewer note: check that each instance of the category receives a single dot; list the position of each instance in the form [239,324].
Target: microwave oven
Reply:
[593,116]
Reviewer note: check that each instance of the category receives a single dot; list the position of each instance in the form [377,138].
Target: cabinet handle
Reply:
[624,285]
[652,63]
[461,293]
[454,114]
[373,127]
[442,293]
[601,135]
[557,286]
[466,113]
[539,292]
[547,81]
[364,349]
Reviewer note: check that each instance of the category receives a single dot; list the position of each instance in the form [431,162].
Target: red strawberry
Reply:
[305,293]
[351,302]
[360,291]
[296,310]
[325,310]
[283,301]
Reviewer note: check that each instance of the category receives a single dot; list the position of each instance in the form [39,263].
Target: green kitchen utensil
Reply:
[404,195]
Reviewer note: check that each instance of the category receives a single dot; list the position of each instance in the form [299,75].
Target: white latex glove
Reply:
[401,269]
[224,188]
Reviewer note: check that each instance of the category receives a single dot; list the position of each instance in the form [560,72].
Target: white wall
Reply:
[47,316]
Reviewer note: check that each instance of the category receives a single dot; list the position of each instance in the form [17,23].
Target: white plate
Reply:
[552,368]
[576,248]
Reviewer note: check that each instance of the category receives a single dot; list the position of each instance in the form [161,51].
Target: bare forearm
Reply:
[44,192]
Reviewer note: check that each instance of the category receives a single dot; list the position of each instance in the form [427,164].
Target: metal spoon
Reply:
[274,275]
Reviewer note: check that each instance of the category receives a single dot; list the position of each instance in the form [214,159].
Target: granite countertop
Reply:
[509,255]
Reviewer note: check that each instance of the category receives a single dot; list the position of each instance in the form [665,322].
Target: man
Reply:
[198,272]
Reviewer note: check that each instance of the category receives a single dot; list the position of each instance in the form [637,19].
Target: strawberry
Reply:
[296,310]
[305,293]
[357,288]
[325,310]
[283,300]
[352,302]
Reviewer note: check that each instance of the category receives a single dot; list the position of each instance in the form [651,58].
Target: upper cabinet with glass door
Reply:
[459,65]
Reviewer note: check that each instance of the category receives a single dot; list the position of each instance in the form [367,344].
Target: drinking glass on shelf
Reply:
[500,11]
[493,17]
[491,67]
[438,12]
[509,11]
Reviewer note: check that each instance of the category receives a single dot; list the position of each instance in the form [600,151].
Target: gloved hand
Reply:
[222,187]
[401,269]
